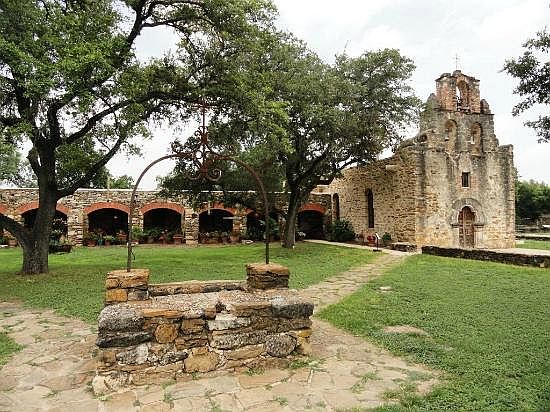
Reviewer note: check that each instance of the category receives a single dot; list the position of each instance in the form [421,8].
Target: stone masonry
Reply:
[452,185]
[148,333]
[15,202]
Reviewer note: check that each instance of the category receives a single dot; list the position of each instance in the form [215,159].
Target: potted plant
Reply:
[12,242]
[108,240]
[153,234]
[90,239]
[224,237]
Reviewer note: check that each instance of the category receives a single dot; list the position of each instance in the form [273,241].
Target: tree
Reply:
[9,161]
[69,80]
[532,199]
[533,73]
[322,118]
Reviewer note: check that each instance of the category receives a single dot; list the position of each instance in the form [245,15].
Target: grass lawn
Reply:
[7,348]
[535,244]
[489,327]
[75,284]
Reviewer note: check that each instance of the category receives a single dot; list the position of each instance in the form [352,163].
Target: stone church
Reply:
[451,185]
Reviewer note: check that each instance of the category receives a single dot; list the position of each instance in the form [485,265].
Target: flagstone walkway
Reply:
[55,369]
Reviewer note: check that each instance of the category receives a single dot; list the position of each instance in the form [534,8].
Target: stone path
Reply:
[55,369]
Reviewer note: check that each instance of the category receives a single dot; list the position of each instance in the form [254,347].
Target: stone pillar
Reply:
[123,286]
[191,227]
[267,276]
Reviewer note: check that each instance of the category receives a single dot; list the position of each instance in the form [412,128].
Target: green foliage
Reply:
[73,91]
[532,72]
[75,284]
[7,348]
[9,160]
[341,231]
[488,329]
[532,199]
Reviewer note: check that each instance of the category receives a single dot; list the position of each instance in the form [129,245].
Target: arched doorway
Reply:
[59,223]
[164,219]
[215,220]
[255,226]
[108,221]
[311,223]
[466,235]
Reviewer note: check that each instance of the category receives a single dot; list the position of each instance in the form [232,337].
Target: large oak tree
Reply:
[69,80]
[318,118]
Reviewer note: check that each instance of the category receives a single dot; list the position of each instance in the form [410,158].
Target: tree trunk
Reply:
[35,248]
[289,236]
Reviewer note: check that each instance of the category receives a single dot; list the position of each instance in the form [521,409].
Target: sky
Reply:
[482,34]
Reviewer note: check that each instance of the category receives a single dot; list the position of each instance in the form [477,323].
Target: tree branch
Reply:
[15,228]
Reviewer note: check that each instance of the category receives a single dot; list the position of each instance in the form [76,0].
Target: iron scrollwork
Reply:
[203,158]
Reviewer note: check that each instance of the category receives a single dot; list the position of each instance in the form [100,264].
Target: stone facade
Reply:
[167,330]
[451,185]
[14,203]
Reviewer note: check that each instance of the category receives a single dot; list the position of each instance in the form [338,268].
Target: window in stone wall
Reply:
[450,135]
[475,138]
[465,179]
[336,206]
[370,208]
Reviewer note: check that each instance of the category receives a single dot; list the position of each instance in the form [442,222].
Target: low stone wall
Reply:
[149,333]
[403,246]
[542,261]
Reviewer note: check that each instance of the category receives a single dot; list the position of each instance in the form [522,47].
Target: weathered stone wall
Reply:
[418,192]
[180,328]
[392,182]
[15,202]
[542,261]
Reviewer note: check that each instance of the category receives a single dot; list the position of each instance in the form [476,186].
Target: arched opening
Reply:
[311,223]
[255,226]
[370,208]
[59,224]
[336,206]
[108,221]
[475,138]
[214,222]
[451,132]
[463,95]
[163,220]
[466,219]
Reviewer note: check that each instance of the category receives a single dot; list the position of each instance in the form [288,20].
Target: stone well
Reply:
[152,333]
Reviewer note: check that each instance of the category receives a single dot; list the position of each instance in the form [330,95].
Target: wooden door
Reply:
[466,219]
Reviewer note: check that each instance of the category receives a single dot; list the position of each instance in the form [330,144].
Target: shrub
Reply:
[341,231]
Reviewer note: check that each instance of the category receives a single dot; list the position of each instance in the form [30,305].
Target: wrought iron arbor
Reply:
[203,158]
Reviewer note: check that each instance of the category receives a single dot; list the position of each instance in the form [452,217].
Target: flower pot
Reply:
[12,242]
[178,239]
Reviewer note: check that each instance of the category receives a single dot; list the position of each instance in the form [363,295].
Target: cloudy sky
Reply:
[483,34]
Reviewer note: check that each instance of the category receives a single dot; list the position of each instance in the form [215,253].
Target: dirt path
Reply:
[55,369]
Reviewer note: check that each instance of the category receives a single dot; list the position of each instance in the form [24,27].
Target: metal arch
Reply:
[203,158]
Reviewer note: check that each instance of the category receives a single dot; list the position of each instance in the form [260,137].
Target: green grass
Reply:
[75,284]
[535,244]
[7,348]
[489,327]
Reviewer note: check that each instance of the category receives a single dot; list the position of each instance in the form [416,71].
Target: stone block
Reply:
[106,340]
[120,318]
[134,356]
[225,321]
[286,325]
[267,276]
[162,313]
[116,295]
[132,279]
[280,345]
[291,308]
[191,341]
[138,294]
[235,340]
[166,333]
[246,352]
[201,362]
[246,309]
[190,326]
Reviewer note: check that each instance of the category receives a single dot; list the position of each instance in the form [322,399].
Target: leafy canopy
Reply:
[532,69]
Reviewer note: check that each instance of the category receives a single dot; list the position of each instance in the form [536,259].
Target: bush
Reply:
[341,231]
